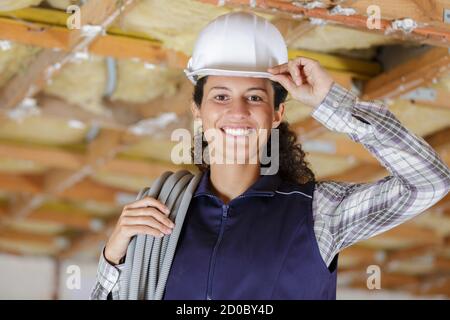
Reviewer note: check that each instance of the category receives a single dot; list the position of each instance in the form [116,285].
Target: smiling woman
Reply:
[251,235]
[292,164]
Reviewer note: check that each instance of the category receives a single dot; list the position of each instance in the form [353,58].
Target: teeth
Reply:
[238,131]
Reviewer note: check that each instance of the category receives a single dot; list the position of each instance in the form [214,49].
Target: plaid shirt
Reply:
[345,213]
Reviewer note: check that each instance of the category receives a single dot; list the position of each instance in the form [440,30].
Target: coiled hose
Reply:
[148,259]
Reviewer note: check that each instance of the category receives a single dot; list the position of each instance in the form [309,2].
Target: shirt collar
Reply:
[265,185]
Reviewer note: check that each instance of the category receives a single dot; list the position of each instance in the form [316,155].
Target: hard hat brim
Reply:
[197,74]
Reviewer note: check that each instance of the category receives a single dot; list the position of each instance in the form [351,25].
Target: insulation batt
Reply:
[329,38]
[9,5]
[175,25]
[136,83]
[62,4]
[82,83]
[15,60]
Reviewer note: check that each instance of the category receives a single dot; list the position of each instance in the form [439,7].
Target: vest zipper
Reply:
[216,246]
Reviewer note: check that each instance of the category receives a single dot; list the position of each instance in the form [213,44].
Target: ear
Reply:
[278,116]
[195,111]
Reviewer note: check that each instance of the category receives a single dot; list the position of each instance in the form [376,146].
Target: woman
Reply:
[249,235]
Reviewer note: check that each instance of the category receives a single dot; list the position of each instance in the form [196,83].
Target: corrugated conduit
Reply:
[148,259]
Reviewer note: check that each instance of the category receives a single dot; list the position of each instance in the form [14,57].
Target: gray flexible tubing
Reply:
[148,259]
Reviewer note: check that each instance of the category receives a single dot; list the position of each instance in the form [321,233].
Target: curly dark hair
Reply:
[292,164]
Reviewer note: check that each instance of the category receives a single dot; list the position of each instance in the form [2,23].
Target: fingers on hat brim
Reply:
[285,80]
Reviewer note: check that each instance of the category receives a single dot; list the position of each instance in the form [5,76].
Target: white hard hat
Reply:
[237,44]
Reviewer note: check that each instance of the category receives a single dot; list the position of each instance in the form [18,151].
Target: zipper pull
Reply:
[225,210]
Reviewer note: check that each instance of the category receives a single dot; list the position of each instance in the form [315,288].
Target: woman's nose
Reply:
[239,109]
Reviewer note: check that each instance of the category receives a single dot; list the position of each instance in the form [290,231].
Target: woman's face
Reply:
[237,114]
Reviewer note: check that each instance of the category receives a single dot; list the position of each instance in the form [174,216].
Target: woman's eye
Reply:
[255,98]
[220,97]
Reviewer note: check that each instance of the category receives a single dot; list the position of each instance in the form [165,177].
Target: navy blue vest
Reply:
[261,245]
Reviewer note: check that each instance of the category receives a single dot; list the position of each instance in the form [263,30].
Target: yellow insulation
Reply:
[8,5]
[176,24]
[42,130]
[14,58]
[141,82]
[82,83]
[331,38]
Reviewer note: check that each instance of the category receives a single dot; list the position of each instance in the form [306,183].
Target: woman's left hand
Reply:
[304,79]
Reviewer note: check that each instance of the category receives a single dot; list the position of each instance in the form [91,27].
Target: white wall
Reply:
[33,278]
[25,277]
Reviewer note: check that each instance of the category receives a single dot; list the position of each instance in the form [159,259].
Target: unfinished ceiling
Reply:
[87,116]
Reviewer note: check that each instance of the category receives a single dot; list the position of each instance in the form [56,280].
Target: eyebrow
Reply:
[249,89]
[219,88]
[257,88]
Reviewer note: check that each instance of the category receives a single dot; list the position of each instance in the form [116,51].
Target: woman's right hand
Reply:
[144,216]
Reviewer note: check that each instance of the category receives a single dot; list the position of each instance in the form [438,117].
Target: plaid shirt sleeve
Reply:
[345,213]
[106,287]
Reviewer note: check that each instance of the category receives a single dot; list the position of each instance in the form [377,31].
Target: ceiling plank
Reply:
[87,240]
[364,172]
[101,149]
[308,128]
[47,156]
[422,11]
[421,235]
[118,46]
[59,158]
[48,25]
[360,173]
[437,34]
[76,219]
[21,236]
[410,75]
[86,190]
[439,98]
[49,61]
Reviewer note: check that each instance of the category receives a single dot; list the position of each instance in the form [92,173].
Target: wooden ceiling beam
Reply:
[76,219]
[359,173]
[117,46]
[438,286]
[48,61]
[86,190]
[59,158]
[21,236]
[364,172]
[87,240]
[103,148]
[412,74]
[429,97]
[47,156]
[409,231]
[391,281]
[308,129]
[437,34]
[19,183]
[55,107]
[80,220]
[422,11]
[339,146]
[49,32]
